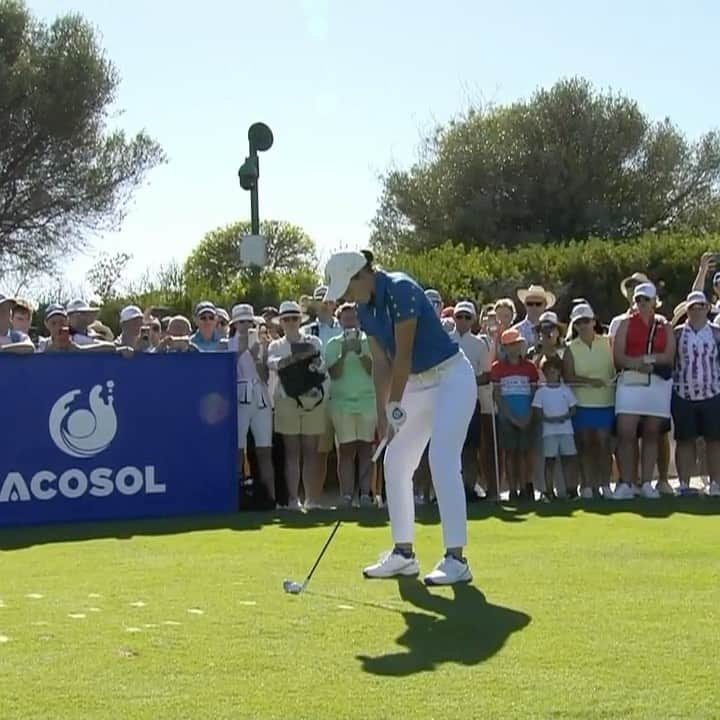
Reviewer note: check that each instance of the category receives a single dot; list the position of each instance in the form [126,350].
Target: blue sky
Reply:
[349,88]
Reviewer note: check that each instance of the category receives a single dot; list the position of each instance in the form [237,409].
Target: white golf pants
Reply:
[439,405]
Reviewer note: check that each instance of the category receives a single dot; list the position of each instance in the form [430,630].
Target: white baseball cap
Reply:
[53,310]
[465,306]
[339,271]
[647,290]
[550,318]
[320,293]
[582,311]
[696,297]
[433,296]
[131,312]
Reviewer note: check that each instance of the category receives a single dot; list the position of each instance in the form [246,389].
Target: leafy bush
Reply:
[592,269]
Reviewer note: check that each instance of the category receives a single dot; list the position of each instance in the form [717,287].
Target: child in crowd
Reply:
[514,379]
[554,404]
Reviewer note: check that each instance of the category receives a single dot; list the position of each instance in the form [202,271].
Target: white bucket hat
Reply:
[244,313]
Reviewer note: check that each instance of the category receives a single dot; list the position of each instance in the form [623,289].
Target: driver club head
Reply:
[292,587]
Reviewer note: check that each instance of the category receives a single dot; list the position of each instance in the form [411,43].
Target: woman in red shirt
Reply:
[644,353]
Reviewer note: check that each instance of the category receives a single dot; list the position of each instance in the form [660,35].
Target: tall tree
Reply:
[62,172]
[570,163]
[215,262]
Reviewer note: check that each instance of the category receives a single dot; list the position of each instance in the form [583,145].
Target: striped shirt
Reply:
[697,368]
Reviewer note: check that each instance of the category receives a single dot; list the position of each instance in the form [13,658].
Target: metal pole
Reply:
[254,204]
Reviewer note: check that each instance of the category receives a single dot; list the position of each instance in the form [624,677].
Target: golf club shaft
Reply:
[380,448]
[322,552]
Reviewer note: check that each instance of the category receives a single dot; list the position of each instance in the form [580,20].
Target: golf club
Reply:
[295,588]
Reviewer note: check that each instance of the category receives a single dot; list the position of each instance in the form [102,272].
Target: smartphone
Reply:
[351,334]
[253,338]
[64,333]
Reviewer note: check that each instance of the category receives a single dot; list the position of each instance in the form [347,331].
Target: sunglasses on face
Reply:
[534,303]
[463,316]
[642,298]
[698,306]
[547,328]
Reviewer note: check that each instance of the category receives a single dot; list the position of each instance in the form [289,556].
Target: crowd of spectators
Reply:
[564,409]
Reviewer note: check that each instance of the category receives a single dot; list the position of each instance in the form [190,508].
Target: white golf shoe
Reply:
[393,564]
[449,571]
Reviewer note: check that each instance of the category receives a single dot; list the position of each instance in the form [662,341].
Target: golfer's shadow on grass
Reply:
[464,629]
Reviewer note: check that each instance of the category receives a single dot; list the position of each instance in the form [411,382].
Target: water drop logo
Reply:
[84,432]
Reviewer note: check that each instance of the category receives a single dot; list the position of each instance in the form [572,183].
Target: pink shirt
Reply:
[697,369]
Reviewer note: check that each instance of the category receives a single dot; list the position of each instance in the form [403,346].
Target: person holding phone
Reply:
[426,392]
[352,404]
[254,406]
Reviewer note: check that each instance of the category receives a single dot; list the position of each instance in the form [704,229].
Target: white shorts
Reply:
[257,419]
[554,445]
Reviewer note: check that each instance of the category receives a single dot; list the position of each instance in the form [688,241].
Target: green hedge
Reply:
[592,269]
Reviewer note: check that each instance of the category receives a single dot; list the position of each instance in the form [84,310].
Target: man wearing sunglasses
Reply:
[478,353]
[207,337]
[536,300]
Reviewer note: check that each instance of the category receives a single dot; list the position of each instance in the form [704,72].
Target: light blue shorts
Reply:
[554,445]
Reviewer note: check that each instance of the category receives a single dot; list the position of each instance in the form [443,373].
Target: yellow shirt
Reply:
[594,362]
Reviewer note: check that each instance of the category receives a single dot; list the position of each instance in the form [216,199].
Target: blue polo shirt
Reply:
[398,297]
[211,345]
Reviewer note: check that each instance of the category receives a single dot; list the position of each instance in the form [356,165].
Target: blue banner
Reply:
[100,437]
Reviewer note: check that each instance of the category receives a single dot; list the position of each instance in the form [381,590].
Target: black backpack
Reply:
[299,379]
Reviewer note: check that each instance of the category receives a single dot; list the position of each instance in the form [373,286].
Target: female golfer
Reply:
[426,391]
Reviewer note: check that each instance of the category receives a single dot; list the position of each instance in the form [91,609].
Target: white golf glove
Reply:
[395,415]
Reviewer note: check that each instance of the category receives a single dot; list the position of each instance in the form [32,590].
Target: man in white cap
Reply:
[426,390]
[478,353]
[131,324]
[12,341]
[326,325]
[80,316]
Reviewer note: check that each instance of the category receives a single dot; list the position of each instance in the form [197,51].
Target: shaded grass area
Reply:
[577,611]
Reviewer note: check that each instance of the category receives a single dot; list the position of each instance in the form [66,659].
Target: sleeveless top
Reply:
[638,334]
[594,362]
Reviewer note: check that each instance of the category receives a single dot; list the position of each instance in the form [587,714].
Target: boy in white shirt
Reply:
[554,405]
